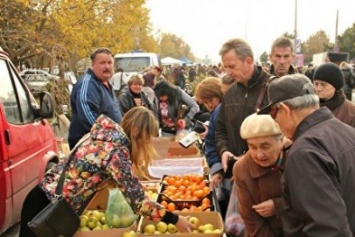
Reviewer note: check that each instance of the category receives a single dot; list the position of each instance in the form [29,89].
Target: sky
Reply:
[206,24]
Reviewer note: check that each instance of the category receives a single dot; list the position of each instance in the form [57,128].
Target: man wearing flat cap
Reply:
[319,180]
[257,175]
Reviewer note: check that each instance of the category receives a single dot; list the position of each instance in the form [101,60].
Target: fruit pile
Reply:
[185,193]
[97,220]
[164,228]
[93,220]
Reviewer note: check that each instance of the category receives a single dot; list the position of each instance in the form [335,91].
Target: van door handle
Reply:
[7,137]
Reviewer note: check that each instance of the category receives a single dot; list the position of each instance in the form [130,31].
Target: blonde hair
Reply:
[135,78]
[140,125]
[209,89]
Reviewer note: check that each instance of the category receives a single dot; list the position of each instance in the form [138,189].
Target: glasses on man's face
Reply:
[273,112]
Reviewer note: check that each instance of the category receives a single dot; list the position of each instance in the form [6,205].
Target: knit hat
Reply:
[331,73]
[259,126]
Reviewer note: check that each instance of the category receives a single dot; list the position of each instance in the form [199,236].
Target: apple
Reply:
[92,222]
[87,213]
[201,228]
[172,228]
[103,220]
[127,220]
[162,227]
[129,234]
[96,214]
[209,227]
[157,232]
[115,221]
[208,231]
[83,220]
[217,231]
[105,227]
[85,228]
[97,228]
[195,221]
[149,229]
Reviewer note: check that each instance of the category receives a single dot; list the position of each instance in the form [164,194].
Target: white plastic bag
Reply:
[234,225]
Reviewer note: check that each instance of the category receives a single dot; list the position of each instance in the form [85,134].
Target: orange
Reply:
[186,182]
[171,181]
[199,194]
[164,204]
[206,201]
[171,206]
[178,183]
[206,190]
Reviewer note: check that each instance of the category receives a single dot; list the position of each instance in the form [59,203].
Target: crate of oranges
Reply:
[188,192]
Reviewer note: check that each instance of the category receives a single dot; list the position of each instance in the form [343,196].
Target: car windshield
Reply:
[132,64]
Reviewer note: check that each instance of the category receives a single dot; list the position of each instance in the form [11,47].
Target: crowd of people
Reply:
[284,137]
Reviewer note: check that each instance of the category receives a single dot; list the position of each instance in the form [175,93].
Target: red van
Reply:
[27,143]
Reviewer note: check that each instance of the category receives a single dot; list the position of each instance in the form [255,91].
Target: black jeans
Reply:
[35,202]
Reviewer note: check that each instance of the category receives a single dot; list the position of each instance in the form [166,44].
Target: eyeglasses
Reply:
[274,111]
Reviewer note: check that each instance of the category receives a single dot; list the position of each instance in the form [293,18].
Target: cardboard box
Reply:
[213,218]
[176,150]
[99,202]
[167,147]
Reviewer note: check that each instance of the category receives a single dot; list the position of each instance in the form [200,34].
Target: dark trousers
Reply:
[35,202]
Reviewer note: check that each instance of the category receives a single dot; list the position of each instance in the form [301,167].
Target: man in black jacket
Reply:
[243,98]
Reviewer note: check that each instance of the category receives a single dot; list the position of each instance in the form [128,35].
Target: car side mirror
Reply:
[46,109]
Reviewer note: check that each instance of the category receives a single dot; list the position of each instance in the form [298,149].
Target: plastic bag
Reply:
[234,225]
[119,213]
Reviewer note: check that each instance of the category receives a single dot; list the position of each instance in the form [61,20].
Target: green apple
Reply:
[85,228]
[96,214]
[195,221]
[149,229]
[208,231]
[127,220]
[162,227]
[209,227]
[103,219]
[217,231]
[105,227]
[92,222]
[97,228]
[172,228]
[87,213]
[157,232]
[201,228]
[116,222]
[129,234]
[83,220]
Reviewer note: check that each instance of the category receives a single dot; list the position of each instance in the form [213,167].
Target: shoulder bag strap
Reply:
[59,188]
[262,92]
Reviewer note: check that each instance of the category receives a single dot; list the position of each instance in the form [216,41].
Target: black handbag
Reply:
[58,218]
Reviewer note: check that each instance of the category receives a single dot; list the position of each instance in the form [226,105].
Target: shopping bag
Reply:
[57,219]
[119,213]
[234,225]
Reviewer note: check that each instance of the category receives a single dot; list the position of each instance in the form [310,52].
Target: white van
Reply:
[136,62]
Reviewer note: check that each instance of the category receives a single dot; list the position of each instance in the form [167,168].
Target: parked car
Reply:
[30,72]
[36,79]
[28,146]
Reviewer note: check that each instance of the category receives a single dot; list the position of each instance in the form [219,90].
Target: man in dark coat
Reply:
[318,184]
[242,99]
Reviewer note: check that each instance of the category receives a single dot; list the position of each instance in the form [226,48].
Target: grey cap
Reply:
[287,87]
